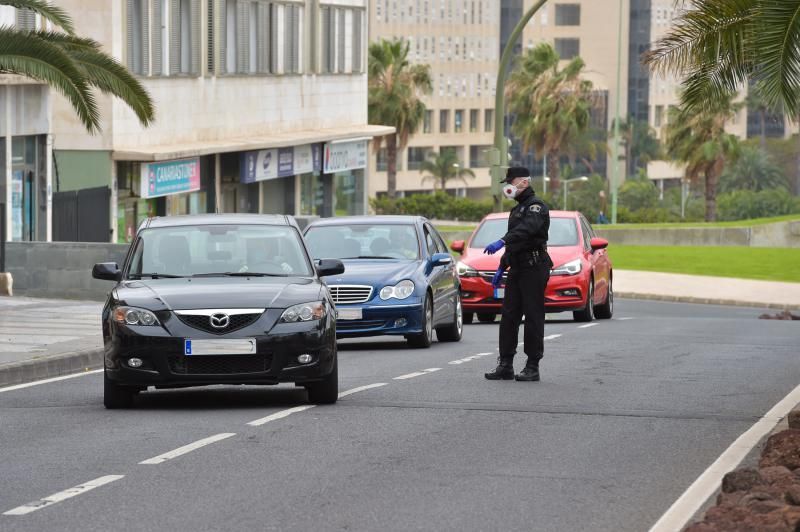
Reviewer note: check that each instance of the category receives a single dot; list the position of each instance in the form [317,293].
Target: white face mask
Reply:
[510,191]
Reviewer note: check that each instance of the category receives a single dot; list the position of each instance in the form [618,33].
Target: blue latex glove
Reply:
[498,277]
[494,247]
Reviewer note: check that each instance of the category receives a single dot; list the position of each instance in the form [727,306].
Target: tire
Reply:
[425,338]
[587,314]
[486,317]
[326,391]
[116,396]
[468,317]
[452,332]
[606,310]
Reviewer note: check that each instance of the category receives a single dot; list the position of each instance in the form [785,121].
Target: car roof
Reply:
[553,214]
[381,219]
[219,219]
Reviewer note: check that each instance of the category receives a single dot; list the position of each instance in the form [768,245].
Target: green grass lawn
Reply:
[737,223]
[771,264]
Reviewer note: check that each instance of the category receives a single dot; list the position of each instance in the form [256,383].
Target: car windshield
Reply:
[563,232]
[353,241]
[219,250]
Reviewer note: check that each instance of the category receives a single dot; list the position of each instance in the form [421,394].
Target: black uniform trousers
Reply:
[524,295]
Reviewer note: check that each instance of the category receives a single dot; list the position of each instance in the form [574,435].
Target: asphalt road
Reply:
[628,414]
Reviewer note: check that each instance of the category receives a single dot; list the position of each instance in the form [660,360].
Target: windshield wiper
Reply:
[370,257]
[154,276]
[239,274]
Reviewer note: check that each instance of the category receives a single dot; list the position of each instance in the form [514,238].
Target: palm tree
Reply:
[443,167]
[698,140]
[552,105]
[754,170]
[395,90]
[640,144]
[72,65]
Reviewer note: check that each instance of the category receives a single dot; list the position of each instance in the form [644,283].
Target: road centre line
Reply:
[186,449]
[416,374]
[552,336]
[362,389]
[683,509]
[587,325]
[467,359]
[46,381]
[623,319]
[63,495]
[279,415]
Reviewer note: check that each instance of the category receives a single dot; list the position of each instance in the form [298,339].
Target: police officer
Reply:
[529,269]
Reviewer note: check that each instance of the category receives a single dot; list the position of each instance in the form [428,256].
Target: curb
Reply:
[52,366]
[704,301]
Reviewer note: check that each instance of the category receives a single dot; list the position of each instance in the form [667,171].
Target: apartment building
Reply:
[459,40]
[261,107]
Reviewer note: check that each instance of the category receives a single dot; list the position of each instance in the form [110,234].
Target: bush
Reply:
[746,204]
[438,206]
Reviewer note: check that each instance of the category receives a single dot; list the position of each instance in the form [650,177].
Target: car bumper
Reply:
[382,319]
[564,293]
[166,365]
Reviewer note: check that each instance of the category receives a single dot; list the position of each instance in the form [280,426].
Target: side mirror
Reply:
[441,259]
[457,246]
[327,267]
[598,243]
[107,271]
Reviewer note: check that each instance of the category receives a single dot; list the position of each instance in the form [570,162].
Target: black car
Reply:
[218,299]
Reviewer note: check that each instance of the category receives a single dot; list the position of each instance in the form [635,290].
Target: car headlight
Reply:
[466,271]
[401,290]
[304,312]
[134,316]
[570,268]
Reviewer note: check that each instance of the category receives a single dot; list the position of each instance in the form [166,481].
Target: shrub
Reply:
[746,204]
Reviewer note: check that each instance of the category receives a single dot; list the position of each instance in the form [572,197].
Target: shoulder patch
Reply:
[535,208]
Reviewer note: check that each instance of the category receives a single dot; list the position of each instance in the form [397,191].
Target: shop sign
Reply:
[171,177]
[281,162]
[307,159]
[342,156]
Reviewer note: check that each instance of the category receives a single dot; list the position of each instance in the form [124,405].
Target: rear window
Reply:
[563,232]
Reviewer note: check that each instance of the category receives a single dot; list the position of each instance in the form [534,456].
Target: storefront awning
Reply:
[167,152]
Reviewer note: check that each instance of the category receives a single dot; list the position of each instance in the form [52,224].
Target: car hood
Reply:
[218,292]
[375,272]
[475,258]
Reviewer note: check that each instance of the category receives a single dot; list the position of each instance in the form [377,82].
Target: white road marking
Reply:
[552,337]
[362,389]
[63,495]
[467,359]
[279,415]
[588,325]
[624,319]
[186,449]
[45,381]
[416,374]
[678,515]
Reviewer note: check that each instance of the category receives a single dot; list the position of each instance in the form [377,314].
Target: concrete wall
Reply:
[777,235]
[60,270]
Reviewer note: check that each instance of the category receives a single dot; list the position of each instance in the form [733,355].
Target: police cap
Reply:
[514,172]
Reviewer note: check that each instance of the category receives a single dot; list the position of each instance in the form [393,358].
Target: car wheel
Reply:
[116,396]
[606,310]
[452,332]
[486,317]
[468,317]
[587,314]
[326,391]
[425,338]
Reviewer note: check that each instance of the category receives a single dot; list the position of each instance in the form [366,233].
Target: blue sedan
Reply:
[399,278]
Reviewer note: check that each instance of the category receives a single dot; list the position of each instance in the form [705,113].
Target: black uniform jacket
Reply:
[528,225]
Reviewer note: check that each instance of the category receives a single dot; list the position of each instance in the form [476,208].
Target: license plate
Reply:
[499,293]
[240,346]
[348,313]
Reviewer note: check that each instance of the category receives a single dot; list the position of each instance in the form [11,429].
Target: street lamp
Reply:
[614,181]
[567,182]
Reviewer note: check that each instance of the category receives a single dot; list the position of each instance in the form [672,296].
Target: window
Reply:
[184,36]
[444,121]
[474,115]
[382,161]
[488,120]
[568,14]
[327,39]
[341,40]
[137,34]
[185,29]
[230,36]
[479,156]
[459,121]
[568,48]
[416,156]
[658,119]
[430,243]
[344,241]
[427,122]
[291,33]
[358,39]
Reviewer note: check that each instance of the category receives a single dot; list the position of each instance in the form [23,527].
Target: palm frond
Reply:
[778,44]
[28,55]
[54,14]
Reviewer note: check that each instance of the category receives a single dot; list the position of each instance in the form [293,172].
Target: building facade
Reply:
[261,107]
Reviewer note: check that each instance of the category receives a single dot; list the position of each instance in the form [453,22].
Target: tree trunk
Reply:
[444,183]
[763,140]
[713,172]
[391,166]
[797,169]
[554,171]
[628,160]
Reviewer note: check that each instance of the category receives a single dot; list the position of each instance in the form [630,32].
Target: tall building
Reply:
[459,40]
[261,106]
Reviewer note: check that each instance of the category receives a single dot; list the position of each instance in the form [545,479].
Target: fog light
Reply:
[304,359]
[135,362]
[400,322]
[570,292]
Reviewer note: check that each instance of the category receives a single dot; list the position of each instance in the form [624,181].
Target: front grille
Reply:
[237,321]
[362,324]
[218,365]
[344,294]
[488,276]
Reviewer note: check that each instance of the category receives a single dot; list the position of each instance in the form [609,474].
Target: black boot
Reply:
[503,371]
[530,373]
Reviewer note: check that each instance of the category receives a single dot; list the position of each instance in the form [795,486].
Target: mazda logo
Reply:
[220,320]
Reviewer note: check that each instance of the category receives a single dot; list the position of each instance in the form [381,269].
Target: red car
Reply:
[580,281]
